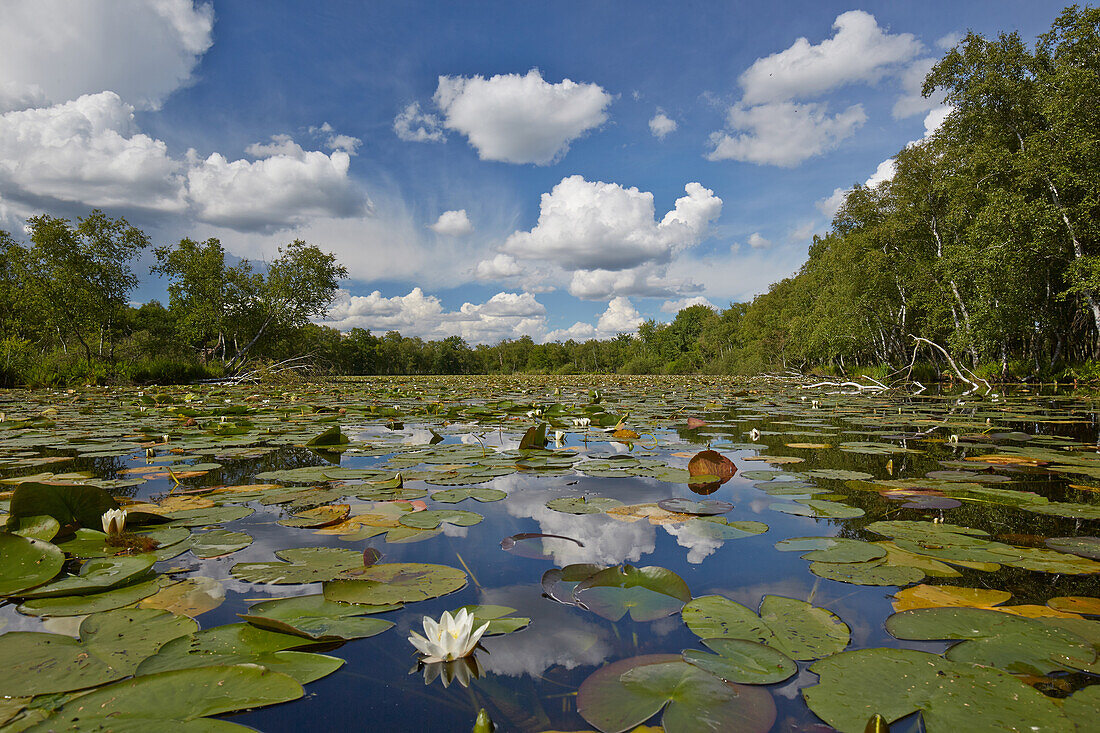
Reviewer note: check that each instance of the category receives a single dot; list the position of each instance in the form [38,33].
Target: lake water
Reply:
[815,462]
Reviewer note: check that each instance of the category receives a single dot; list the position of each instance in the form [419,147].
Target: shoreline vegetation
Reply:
[978,260]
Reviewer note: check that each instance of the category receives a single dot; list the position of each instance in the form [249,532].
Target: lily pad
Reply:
[647,593]
[318,619]
[110,647]
[742,661]
[69,504]
[482,494]
[1083,546]
[27,563]
[583,504]
[90,603]
[624,694]
[832,549]
[867,573]
[701,508]
[192,596]
[431,519]
[942,596]
[218,542]
[396,583]
[97,575]
[500,619]
[302,565]
[796,628]
[319,516]
[951,696]
[171,700]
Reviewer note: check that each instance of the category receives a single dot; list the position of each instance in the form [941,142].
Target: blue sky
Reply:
[484,169]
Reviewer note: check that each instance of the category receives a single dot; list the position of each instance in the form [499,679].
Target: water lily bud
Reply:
[754,434]
[114,521]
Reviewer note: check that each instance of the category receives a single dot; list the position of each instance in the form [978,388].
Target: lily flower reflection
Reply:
[453,637]
[463,670]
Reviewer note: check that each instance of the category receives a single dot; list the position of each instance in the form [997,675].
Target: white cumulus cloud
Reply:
[596,225]
[662,125]
[520,119]
[452,223]
[54,51]
[647,281]
[675,306]
[500,267]
[284,186]
[758,241]
[505,315]
[860,51]
[89,151]
[783,133]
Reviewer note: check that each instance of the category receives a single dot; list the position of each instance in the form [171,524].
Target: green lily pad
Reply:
[172,700]
[720,529]
[111,646]
[27,563]
[625,694]
[318,619]
[819,508]
[702,508]
[1083,707]
[453,496]
[90,603]
[499,617]
[742,661]
[229,644]
[67,503]
[218,542]
[796,628]
[396,583]
[97,575]
[874,572]
[432,518]
[327,439]
[302,565]
[647,593]
[994,639]
[1082,546]
[950,695]
[89,543]
[832,549]
[41,527]
[318,516]
[583,504]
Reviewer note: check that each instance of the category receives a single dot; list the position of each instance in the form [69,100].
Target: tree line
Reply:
[986,241]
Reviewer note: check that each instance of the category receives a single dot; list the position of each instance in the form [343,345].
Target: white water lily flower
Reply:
[754,434]
[449,639]
[559,437]
[114,521]
[952,439]
[582,422]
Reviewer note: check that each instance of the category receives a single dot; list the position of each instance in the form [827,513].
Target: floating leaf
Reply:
[396,583]
[939,596]
[97,575]
[319,516]
[302,565]
[90,603]
[499,617]
[431,519]
[318,619]
[832,549]
[210,515]
[647,593]
[482,494]
[624,694]
[951,696]
[867,573]
[218,542]
[171,700]
[796,628]
[67,503]
[583,504]
[701,508]
[27,563]
[110,647]
[1083,546]
[192,596]
[1013,643]
[41,527]
[327,439]
[742,661]
[1076,604]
